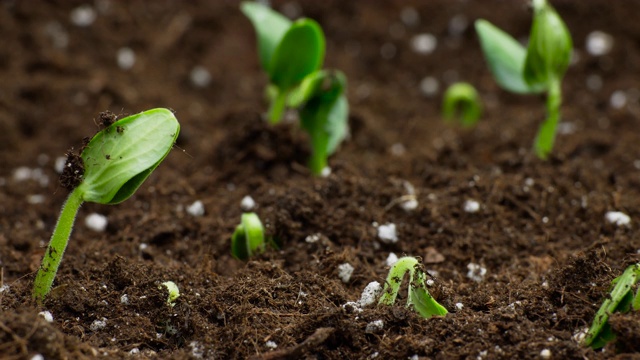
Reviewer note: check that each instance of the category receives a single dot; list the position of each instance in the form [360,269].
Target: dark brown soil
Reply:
[540,232]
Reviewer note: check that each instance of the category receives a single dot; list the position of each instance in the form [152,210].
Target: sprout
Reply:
[248,239]
[111,167]
[174,292]
[621,299]
[461,100]
[291,53]
[423,303]
[538,68]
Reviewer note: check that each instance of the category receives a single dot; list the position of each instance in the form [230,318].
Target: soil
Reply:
[540,231]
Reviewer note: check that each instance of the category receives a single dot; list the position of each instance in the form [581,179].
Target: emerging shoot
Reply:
[538,68]
[248,239]
[111,167]
[461,101]
[174,292]
[621,299]
[423,303]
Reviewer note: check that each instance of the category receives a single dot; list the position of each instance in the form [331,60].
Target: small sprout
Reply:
[538,68]
[91,177]
[621,299]
[461,101]
[174,292]
[248,239]
[419,298]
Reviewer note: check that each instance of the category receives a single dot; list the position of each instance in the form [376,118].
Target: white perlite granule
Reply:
[98,324]
[271,344]
[476,272]
[391,259]
[387,233]
[617,218]
[96,222]
[370,294]
[374,326]
[46,315]
[345,271]
[471,206]
[196,209]
[247,203]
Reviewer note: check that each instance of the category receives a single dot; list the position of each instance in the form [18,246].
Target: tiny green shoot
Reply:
[423,303]
[621,299]
[289,51]
[173,290]
[111,167]
[538,68]
[248,239]
[461,101]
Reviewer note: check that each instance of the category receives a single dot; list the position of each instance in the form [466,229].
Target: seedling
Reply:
[289,51]
[621,299]
[111,167]
[174,292]
[418,295]
[248,239]
[461,101]
[536,69]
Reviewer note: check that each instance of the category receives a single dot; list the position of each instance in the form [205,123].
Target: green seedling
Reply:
[621,299]
[461,101]
[248,239]
[538,68]
[174,292]
[423,303]
[288,51]
[111,167]
[291,53]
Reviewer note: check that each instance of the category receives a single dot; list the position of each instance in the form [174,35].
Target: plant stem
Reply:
[57,245]
[547,132]
[277,107]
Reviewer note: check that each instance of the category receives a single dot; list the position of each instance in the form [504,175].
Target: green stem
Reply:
[57,245]
[318,160]
[547,132]
[277,107]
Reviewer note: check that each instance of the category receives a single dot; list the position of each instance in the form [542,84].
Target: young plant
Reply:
[461,101]
[174,292]
[423,303]
[289,51]
[621,299]
[248,239]
[536,69]
[111,167]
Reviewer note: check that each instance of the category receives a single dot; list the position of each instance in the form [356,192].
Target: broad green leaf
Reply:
[270,28]
[119,158]
[299,53]
[505,57]
[550,46]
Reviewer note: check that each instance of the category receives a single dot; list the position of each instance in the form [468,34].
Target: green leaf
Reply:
[324,115]
[299,53]
[248,238]
[505,57]
[119,158]
[424,304]
[620,300]
[270,28]
[550,46]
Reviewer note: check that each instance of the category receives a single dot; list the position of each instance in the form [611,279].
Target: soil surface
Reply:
[542,251]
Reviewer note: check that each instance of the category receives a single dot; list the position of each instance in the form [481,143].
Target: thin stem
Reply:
[277,107]
[57,245]
[547,132]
